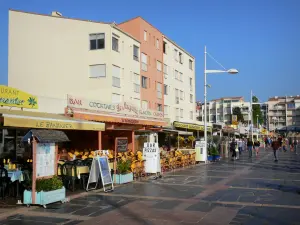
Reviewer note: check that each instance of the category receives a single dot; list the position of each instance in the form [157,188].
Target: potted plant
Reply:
[124,174]
[209,153]
[48,191]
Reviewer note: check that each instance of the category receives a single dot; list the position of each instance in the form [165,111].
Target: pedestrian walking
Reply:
[296,145]
[257,145]
[233,146]
[275,146]
[284,144]
[240,146]
[250,147]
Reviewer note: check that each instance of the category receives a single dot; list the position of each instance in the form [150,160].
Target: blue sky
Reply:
[261,38]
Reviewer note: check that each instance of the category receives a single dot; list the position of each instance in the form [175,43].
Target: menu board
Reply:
[45,159]
[105,170]
[121,144]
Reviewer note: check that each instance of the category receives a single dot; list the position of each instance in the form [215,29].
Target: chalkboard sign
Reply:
[121,144]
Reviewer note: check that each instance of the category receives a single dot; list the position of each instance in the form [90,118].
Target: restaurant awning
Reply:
[180,132]
[29,119]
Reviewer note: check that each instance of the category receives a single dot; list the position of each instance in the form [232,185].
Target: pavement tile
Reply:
[166,204]
[201,206]
[74,222]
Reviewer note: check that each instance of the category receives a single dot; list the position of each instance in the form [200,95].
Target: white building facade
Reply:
[219,111]
[179,83]
[51,56]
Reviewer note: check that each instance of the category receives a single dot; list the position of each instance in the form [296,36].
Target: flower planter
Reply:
[210,158]
[44,198]
[123,178]
[215,157]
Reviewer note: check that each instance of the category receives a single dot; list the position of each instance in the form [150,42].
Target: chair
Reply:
[3,181]
[69,176]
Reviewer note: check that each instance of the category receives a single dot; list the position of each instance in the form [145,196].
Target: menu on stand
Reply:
[45,159]
[121,144]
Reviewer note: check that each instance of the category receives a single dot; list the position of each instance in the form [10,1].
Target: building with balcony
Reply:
[283,111]
[167,70]
[220,110]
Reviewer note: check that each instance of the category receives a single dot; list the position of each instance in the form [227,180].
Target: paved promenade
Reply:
[247,191]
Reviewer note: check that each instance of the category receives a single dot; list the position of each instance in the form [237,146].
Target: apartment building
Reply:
[283,111]
[220,110]
[151,70]
[51,56]
[167,70]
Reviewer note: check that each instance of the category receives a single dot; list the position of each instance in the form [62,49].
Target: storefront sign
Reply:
[121,144]
[190,126]
[15,98]
[123,108]
[49,124]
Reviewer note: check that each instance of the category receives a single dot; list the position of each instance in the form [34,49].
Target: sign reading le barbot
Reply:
[124,108]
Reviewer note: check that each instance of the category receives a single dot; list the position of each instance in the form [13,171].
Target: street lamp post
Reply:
[230,71]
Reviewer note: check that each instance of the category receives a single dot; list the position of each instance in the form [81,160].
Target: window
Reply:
[144,105]
[191,115]
[165,69]
[145,35]
[97,41]
[98,70]
[165,47]
[191,64]
[136,83]
[177,114]
[115,44]
[181,113]
[144,82]
[181,95]
[144,62]
[157,43]
[158,65]
[166,89]
[180,76]
[176,75]
[166,110]
[115,98]
[116,75]
[291,105]
[180,57]
[137,102]
[159,107]
[176,96]
[191,98]
[191,84]
[175,54]
[158,90]
[136,53]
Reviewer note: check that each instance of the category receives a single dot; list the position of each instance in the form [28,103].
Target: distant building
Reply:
[283,111]
[220,110]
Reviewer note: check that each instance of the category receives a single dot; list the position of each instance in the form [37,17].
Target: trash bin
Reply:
[201,153]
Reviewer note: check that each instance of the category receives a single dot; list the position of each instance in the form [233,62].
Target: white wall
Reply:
[184,85]
[50,57]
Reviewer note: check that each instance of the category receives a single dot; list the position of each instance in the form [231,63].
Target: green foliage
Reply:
[256,110]
[123,167]
[212,150]
[237,111]
[191,139]
[49,184]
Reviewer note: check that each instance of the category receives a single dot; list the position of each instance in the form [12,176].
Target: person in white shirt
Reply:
[240,145]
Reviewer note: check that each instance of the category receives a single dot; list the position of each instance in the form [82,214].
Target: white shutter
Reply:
[116,71]
[144,105]
[137,79]
[115,98]
[158,65]
[97,70]
[144,58]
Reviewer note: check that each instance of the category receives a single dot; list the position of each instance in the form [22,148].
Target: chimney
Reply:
[55,13]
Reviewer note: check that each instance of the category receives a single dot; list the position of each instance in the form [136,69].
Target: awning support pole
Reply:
[99,140]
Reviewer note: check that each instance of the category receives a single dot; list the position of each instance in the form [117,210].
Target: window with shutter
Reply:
[98,70]
[116,76]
